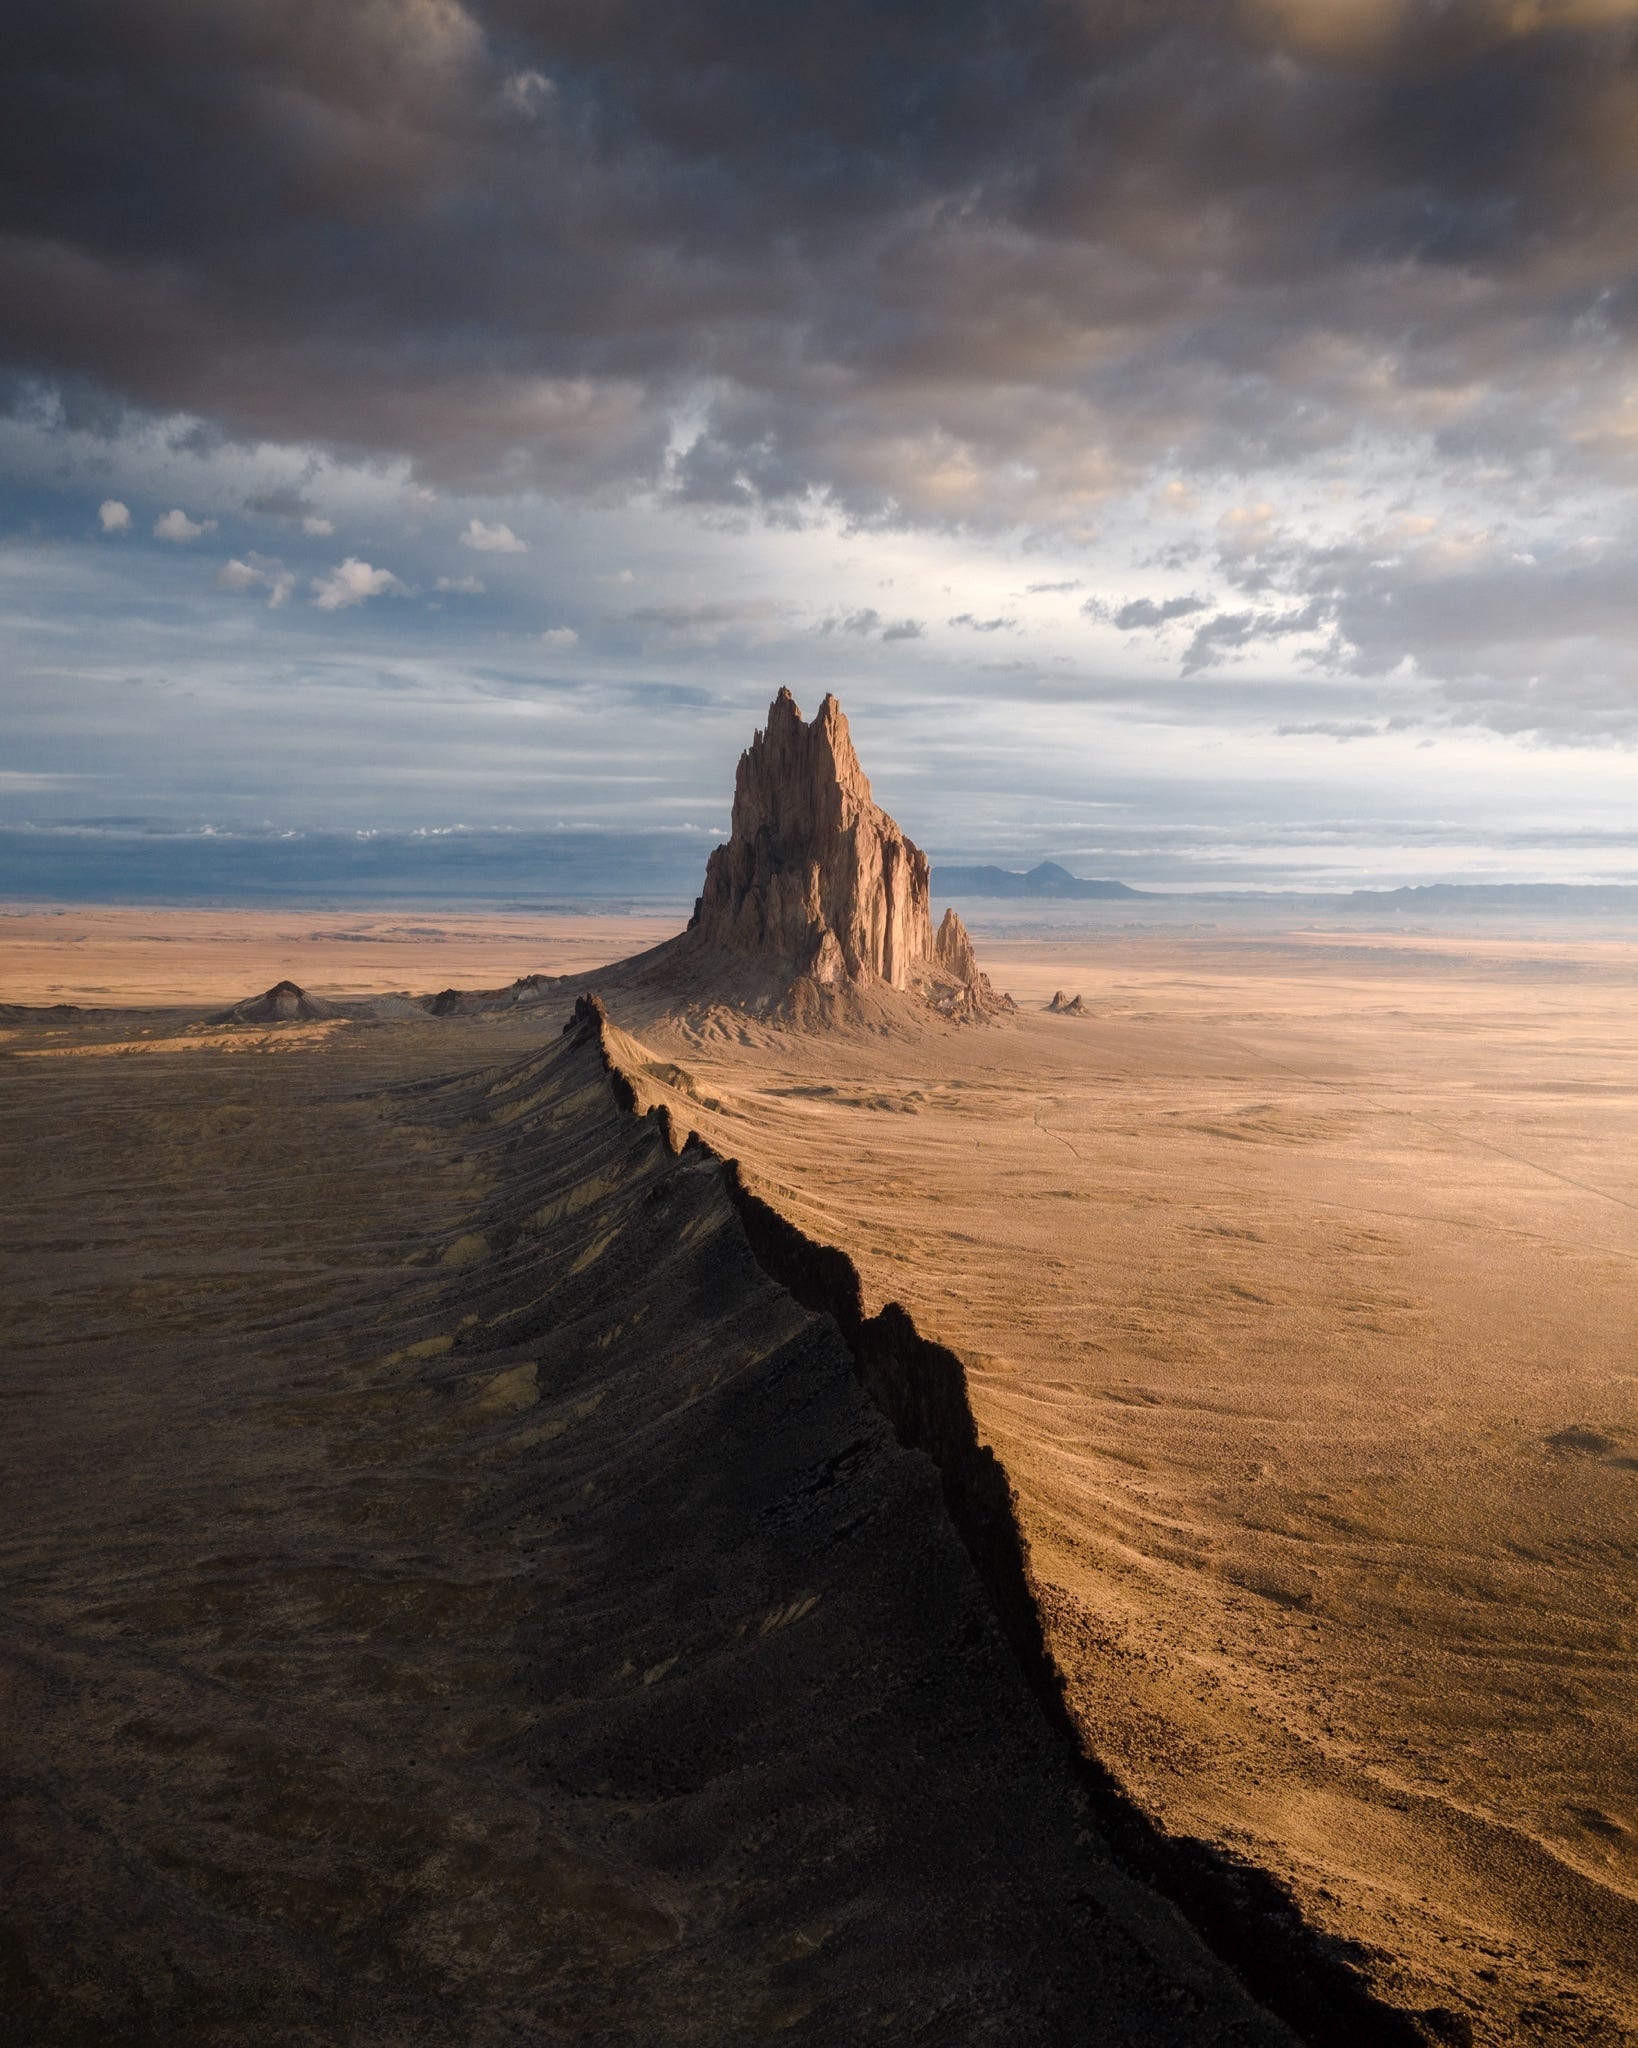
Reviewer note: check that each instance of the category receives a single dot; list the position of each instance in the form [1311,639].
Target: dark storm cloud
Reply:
[980,267]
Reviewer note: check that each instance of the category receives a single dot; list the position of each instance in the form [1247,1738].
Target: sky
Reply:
[1195,439]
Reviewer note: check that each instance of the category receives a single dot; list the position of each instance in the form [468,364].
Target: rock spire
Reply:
[818,882]
[815,872]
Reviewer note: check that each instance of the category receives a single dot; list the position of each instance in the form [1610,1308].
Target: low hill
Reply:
[1045,879]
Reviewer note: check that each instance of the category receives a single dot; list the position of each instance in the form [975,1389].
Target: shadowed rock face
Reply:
[815,871]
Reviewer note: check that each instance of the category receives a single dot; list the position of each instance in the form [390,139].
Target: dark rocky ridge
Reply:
[1307,1979]
[542,1640]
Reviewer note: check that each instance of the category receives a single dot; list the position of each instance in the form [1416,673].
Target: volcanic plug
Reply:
[817,878]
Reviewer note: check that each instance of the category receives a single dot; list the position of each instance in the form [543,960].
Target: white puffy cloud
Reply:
[115,517]
[560,636]
[492,540]
[460,586]
[318,527]
[175,525]
[258,572]
[354,582]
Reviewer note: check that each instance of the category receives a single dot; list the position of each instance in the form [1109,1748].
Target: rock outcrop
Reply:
[818,881]
[815,872]
[283,1003]
[953,950]
[1067,1006]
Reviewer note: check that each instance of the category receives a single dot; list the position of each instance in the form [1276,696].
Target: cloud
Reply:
[460,586]
[977,625]
[286,501]
[1226,633]
[258,572]
[1339,729]
[114,517]
[560,636]
[712,622]
[1139,613]
[528,92]
[176,526]
[353,582]
[279,501]
[1051,589]
[492,540]
[1107,247]
[868,623]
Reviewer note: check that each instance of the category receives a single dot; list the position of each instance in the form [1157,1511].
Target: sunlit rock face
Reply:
[815,872]
[953,950]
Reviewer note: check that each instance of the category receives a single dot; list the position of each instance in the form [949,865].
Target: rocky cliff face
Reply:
[819,882]
[816,872]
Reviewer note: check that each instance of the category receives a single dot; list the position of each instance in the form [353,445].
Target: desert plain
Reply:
[1293,1283]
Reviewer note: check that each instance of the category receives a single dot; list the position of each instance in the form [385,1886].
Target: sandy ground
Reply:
[1297,1284]
[1297,1287]
[101,955]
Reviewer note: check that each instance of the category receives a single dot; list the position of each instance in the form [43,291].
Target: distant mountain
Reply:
[1585,896]
[1046,880]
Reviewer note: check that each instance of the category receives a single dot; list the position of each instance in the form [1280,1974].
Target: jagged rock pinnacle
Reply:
[953,950]
[818,884]
[815,871]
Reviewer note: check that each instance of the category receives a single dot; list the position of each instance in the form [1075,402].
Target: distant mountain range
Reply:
[1497,896]
[1048,879]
